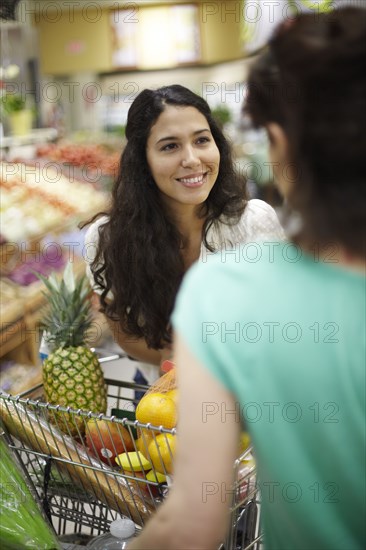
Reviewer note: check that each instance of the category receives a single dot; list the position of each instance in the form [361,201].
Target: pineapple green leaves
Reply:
[68,315]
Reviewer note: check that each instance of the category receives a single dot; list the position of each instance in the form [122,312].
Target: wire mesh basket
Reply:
[245,512]
[83,485]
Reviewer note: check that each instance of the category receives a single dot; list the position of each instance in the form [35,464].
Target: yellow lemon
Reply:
[161,453]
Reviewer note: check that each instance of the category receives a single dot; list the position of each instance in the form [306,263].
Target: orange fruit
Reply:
[157,409]
[161,453]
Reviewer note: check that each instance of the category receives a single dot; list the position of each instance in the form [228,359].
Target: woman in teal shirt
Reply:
[276,341]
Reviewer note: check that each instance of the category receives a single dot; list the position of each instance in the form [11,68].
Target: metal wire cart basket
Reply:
[83,489]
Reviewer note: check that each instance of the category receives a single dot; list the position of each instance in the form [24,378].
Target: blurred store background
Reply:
[69,70]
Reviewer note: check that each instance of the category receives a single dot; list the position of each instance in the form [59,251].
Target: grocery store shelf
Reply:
[11,311]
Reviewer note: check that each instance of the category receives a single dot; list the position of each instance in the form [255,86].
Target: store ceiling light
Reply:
[155,38]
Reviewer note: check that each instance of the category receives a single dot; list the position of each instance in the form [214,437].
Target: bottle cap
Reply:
[122,528]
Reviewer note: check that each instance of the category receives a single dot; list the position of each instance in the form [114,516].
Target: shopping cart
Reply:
[80,494]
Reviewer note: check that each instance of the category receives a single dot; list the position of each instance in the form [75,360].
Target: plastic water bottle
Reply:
[121,532]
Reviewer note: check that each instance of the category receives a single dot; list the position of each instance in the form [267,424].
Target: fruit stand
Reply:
[40,210]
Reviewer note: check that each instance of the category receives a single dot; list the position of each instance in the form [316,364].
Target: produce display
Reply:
[39,209]
[99,158]
[16,378]
[37,199]
[25,213]
[11,306]
[23,274]
[72,375]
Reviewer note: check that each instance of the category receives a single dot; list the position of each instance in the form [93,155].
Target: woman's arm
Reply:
[135,347]
[195,514]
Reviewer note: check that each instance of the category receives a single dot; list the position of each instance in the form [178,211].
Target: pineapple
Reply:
[72,375]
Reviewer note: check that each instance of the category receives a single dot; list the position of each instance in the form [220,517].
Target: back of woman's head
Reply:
[312,82]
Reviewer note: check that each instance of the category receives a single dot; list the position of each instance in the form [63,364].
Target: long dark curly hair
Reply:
[312,82]
[138,257]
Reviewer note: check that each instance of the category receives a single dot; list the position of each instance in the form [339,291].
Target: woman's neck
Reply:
[188,223]
[190,226]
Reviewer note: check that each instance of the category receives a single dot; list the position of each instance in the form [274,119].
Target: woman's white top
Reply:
[259,223]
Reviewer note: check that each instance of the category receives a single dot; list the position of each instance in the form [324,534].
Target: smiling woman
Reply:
[176,197]
[183,158]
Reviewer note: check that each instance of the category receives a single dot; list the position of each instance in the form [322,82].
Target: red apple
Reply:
[108,439]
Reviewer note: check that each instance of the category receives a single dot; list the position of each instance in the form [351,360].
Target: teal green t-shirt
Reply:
[285,333]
